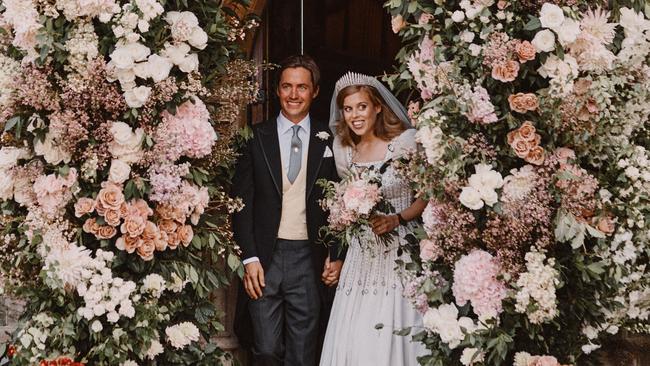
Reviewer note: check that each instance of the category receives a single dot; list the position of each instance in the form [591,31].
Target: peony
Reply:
[523,102]
[551,16]
[525,51]
[505,72]
[119,171]
[137,97]
[470,197]
[158,67]
[544,41]
[127,144]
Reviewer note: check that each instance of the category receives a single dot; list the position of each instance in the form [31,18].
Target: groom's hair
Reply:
[300,61]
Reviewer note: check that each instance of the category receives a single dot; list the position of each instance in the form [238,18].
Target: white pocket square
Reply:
[328,152]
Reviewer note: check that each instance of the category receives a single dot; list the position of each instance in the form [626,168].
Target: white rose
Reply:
[154,350]
[23,193]
[159,67]
[105,17]
[182,24]
[126,145]
[198,38]
[467,36]
[52,154]
[6,185]
[137,97]
[130,21]
[475,50]
[551,16]
[471,356]
[632,172]
[471,198]
[122,58]
[544,41]
[97,326]
[119,172]
[112,317]
[125,76]
[489,196]
[137,51]
[118,31]
[458,16]
[143,25]
[132,37]
[568,32]
[176,53]
[121,132]
[129,363]
[485,177]
[473,12]
[190,63]
[633,21]
[141,70]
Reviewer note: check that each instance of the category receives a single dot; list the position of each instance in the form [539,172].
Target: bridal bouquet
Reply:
[117,120]
[351,203]
[533,118]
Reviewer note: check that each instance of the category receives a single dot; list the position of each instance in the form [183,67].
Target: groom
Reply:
[286,270]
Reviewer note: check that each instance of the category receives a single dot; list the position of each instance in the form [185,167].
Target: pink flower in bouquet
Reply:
[429,250]
[361,196]
[475,280]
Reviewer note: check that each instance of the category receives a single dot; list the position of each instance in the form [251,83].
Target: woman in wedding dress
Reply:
[372,129]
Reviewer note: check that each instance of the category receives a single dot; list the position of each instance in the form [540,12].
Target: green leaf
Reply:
[12,122]
[233,262]
[533,23]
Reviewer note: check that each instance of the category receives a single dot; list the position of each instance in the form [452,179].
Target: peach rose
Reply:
[521,147]
[128,244]
[512,136]
[101,210]
[173,239]
[161,242]
[543,361]
[142,207]
[525,51]
[165,212]
[124,209]
[112,217]
[133,225]
[91,226]
[168,226]
[146,250]
[110,197]
[536,156]
[106,232]
[179,215]
[84,206]
[581,86]
[502,4]
[151,231]
[505,72]
[527,131]
[606,225]
[185,234]
[523,102]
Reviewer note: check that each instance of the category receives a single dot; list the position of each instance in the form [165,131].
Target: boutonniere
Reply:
[323,135]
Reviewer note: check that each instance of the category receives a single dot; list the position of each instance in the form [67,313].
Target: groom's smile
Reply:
[296,92]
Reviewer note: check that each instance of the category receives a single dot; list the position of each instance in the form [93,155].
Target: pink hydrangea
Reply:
[186,133]
[433,217]
[52,191]
[429,250]
[475,280]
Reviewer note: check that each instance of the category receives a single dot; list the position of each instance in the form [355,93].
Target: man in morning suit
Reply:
[286,270]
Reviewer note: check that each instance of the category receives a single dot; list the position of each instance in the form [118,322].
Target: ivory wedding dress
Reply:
[370,287]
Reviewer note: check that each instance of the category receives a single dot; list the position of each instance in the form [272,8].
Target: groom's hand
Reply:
[331,272]
[254,279]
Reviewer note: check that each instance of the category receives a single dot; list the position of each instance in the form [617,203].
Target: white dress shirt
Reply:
[284,140]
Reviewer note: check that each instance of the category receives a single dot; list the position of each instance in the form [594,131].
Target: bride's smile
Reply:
[360,113]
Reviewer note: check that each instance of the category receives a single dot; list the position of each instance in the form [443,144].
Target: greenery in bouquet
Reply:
[533,120]
[118,123]
[352,203]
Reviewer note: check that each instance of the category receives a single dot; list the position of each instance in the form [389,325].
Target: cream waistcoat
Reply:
[293,223]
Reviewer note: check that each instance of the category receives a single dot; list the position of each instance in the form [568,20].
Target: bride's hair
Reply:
[387,125]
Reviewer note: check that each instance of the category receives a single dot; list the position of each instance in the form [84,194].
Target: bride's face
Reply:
[360,113]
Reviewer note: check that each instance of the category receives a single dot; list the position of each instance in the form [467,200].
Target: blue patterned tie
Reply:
[295,156]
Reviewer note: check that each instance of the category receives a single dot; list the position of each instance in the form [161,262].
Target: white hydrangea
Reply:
[82,46]
[181,335]
[538,285]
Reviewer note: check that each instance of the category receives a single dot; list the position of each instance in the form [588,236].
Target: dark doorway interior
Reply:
[341,35]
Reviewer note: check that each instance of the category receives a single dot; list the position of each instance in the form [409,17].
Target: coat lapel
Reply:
[315,155]
[271,150]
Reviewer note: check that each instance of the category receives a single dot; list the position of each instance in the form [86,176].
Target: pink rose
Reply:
[110,197]
[564,154]
[429,251]
[112,217]
[525,51]
[128,244]
[84,206]
[543,361]
[185,234]
[133,225]
[146,250]
[506,71]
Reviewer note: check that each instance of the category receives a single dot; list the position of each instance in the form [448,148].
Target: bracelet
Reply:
[401,219]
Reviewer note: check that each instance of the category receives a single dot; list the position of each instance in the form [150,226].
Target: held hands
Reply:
[331,272]
[382,224]
[254,279]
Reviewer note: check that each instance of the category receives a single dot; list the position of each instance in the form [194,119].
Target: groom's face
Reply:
[296,92]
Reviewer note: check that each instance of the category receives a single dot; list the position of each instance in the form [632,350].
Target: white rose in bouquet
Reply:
[137,51]
[119,171]
[551,16]
[485,178]
[137,97]
[122,58]
[489,196]
[544,41]
[471,198]
[159,67]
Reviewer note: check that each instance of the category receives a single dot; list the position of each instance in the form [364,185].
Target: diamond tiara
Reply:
[353,78]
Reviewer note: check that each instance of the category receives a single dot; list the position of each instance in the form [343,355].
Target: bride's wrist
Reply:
[401,220]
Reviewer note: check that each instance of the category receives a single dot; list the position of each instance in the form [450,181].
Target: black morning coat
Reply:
[258,182]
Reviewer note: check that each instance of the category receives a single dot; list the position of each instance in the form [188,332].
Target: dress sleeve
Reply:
[404,143]
[341,157]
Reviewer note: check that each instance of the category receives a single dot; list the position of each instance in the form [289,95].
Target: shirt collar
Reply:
[285,125]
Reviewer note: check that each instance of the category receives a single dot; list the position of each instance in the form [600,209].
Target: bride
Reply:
[372,129]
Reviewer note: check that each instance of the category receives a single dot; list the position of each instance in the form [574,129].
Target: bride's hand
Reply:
[382,224]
